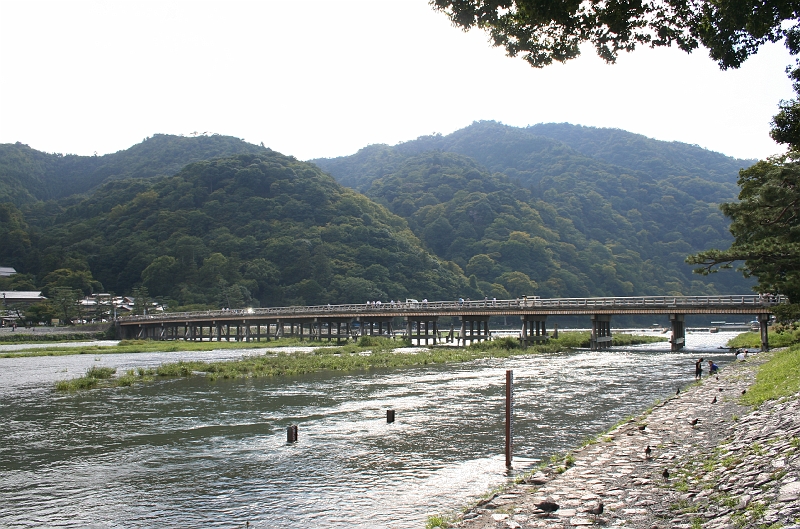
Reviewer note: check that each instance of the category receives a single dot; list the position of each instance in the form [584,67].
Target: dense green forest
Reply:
[618,228]
[28,175]
[247,230]
[490,210]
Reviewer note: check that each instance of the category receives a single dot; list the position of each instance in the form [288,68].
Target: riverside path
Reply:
[421,318]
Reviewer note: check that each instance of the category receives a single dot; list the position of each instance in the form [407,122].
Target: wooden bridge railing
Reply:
[395,307]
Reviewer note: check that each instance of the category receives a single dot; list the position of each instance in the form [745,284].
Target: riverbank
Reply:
[735,467]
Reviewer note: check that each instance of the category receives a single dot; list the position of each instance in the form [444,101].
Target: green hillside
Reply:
[489,210]
[28,175]
[248,230]
[613,229]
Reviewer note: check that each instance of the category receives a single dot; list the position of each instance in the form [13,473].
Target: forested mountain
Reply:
[28,175]
[490,210]
[242,231]
[614,229]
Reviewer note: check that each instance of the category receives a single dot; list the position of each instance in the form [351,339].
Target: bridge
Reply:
[421,319]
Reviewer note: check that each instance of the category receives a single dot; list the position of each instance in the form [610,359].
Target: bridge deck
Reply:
[746,304]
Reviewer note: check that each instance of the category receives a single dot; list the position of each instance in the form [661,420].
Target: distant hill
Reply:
[28,175]
[532,153]
[631,208]
[490,210]
[248,230]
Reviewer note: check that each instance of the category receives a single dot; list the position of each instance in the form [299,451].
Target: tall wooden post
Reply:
[509,415]
[763,323]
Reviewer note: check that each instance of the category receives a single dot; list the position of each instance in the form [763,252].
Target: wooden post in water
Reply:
[509,415]
[291,434]
[389,416]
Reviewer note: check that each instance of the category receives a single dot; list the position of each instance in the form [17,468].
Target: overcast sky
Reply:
[325,78]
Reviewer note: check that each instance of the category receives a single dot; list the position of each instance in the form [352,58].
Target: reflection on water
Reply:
[188,453]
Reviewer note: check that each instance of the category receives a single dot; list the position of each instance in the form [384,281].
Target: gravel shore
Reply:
[734,467]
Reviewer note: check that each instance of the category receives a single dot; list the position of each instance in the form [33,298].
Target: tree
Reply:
[766,227]
[162,275]
[40,313]
[64,301]
[141,300]
[545,31]
[80,280]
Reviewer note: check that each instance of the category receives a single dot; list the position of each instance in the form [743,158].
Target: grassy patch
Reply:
[778,337]
[90,380]
[575,340]
[436,521]
[779,377]
[151,346]
[369,353]
[16,338]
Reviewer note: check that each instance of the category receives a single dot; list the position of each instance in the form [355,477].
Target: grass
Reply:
[368,353]
[778,337]
[779,377]
[90,380]
[149,346]
[16,338]
[575,340]
[564,342]
[436,521]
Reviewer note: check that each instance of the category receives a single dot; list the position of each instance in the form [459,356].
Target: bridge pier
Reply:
[422,321]
[678,339]
[601,332]
[763,323]
[468,329]
[533,329]
[342,326]
[368,324]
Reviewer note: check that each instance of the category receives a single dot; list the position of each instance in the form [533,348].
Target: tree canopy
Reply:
[543,31]
[766,227]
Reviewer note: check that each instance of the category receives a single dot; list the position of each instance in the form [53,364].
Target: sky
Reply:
[325,78]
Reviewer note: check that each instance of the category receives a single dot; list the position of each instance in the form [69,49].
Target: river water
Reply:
[190,453]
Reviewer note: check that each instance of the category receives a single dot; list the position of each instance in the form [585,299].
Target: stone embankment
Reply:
[728,466]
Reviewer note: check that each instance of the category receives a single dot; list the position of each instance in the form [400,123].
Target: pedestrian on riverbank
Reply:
[712,368]
[698,369]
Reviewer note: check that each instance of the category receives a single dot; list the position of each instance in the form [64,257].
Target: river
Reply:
[190,453]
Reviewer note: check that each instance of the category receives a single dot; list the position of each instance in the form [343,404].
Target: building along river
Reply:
[191,453]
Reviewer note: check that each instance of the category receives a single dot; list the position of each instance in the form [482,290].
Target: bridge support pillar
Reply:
[763,323]
[533,329]
[474,328]
[678,332]
[601,332]
[368,325]
[428,323]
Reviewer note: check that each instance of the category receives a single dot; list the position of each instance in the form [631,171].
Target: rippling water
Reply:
[189,453]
